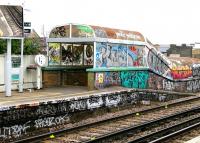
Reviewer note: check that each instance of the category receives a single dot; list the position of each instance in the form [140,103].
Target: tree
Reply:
[2,46]
[31,46]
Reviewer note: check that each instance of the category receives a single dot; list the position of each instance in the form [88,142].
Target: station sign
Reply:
[27,24]
[26,31]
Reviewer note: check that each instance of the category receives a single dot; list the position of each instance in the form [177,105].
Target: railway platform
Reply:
[37,110]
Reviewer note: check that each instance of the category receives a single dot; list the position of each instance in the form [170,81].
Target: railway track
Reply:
[110,130]
[183,135]
[14,18]
[17,15]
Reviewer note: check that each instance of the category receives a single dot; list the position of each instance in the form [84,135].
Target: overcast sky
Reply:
[161,21]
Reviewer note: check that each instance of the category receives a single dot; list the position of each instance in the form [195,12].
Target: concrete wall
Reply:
[146,80]
[29,74]
[29,119]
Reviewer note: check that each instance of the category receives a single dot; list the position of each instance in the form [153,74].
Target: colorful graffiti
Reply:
[70,54]
[107,79]
[78,54]
[112,78]
[155,82]
[181,72]
[134,79]
[54,53]
[196,70]
[82,31]
[111,55]
[117,34]
[156,64]
[62,31]
[135,55]
[88,55]
[193,85]
[67,56]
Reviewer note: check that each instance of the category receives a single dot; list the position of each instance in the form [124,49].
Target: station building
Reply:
[72,49]
[98,57]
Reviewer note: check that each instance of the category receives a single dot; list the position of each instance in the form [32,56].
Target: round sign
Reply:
[40,60]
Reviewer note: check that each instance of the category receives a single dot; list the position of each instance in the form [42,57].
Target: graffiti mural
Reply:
[136,55]
[193,85]
[67,56]
[196,70]
[155,82]
[82,31]
[78,54]
[107,79]
[112,78]
[88,55]
[181,72]
[111,55]
[62,31]
[156,64]
[99,80]
[54,53]
[134,79]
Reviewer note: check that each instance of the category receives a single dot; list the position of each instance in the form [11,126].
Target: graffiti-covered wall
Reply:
[144,80]
[119,55]
[26,120]
[70,54]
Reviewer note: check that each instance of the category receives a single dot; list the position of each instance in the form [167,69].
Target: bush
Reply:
[31,46]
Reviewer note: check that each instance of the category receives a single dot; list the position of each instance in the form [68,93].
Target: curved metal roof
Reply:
[89,31]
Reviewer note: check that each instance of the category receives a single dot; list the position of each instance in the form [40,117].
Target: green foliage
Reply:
[16,46]
[31,46]
[2,46]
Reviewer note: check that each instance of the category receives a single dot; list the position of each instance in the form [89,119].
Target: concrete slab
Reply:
[50,94]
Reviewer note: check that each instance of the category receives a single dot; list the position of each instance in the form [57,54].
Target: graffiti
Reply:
[193,85]
[62,31]
[155,82]
[51,121]
[112,78]
[112,55]
[168,85]
[99,80]
[54,53]
[14,131]
[130,98]
[32,112]
[17,114]
[135,56]
[78,105]
[134,79]
[112,100]
[99,32]
[52,109]
[156,64]
[196,70]
[78,54]
[82,31]
[181,72]
[67,56]
[88,55]
[94,102]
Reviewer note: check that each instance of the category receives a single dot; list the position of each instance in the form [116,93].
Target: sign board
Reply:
[27,24]
[27,31]
[16,62]
[11,21]
[15,77]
